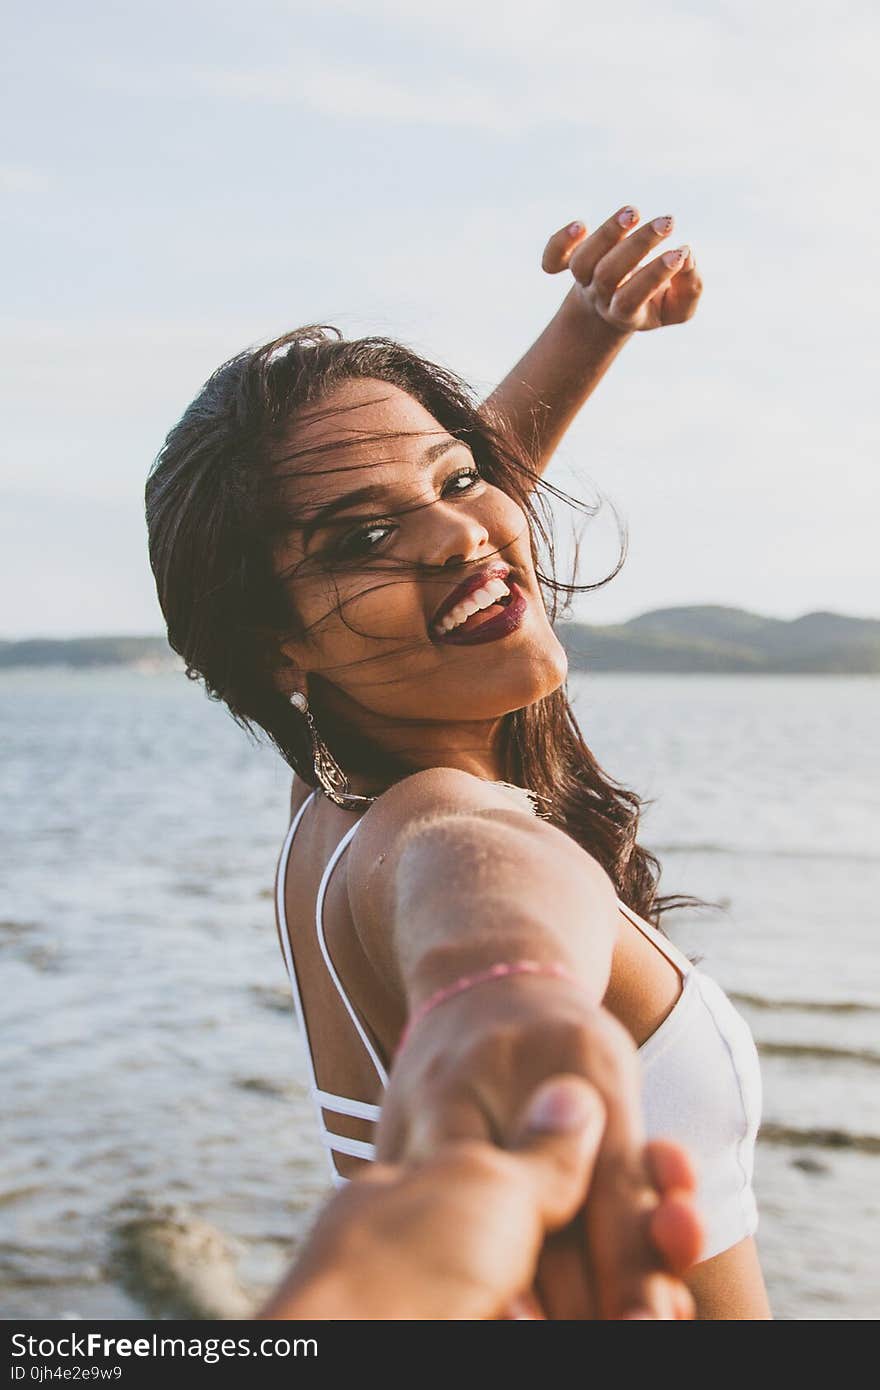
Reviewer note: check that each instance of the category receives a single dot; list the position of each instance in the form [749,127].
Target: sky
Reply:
[180,180]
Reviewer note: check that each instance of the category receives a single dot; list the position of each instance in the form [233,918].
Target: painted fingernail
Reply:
[662,225]
[575,228]
[627,217]
[674,259]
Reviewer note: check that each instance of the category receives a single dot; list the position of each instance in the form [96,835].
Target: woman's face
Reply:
[368,586]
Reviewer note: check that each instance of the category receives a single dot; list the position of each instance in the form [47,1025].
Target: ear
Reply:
[289,674]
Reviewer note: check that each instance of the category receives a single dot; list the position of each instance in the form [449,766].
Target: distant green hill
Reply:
[713,638]
[683,640]
[89,651]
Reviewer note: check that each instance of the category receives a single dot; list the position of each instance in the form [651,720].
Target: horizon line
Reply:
[620,622]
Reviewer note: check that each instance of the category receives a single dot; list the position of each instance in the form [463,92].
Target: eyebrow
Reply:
[373,492]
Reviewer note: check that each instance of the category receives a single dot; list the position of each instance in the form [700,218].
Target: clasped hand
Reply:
[466,1073]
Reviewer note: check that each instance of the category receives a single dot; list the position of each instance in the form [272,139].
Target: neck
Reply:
[375,752]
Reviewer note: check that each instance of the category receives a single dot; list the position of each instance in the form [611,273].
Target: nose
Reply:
[457,537]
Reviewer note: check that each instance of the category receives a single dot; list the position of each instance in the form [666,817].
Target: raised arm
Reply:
[448,878]
[609,300]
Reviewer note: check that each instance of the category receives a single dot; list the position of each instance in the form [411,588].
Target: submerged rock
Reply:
[179,1266]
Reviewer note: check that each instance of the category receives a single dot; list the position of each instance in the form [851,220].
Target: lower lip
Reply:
[508,620]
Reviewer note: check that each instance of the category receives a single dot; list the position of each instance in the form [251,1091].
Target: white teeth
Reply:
[483,597]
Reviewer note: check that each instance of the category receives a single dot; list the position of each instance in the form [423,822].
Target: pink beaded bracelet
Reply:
[494,972]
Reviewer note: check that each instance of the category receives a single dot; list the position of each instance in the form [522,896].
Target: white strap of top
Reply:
[340,1105]
[341,1144]
[666,948]
[280,876]
[319,924]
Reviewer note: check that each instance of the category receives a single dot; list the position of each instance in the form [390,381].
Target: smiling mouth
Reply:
[476,591]
[489,624]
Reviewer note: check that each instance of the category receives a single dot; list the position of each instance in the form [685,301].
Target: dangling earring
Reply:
[327,770]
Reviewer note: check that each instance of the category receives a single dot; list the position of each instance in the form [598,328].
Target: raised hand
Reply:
[610,281]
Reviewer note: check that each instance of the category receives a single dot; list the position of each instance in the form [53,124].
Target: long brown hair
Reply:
[216,509]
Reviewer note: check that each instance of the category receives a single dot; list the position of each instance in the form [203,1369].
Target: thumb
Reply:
[557,1139]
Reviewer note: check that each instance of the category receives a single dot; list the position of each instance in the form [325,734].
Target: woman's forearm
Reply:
[541,395]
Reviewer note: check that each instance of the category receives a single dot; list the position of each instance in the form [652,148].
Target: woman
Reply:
[390,632]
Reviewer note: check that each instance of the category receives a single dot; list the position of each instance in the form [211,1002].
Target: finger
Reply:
[524,1308]
[690,264]
[676,1226]
[626,301]
[622,259]
[587,255]
[614,1220]
[560,246]
[563,1280]
[625,1264]
[670,1165]
[640,1242]
[683,1303]
[454,1117]
[557,1139]
[621,1252]
[683,293]
[668,1299]
[677,1231]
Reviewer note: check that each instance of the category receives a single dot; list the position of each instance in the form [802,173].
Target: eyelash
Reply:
[342,551]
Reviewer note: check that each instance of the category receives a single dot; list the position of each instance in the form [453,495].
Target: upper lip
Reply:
[497,570]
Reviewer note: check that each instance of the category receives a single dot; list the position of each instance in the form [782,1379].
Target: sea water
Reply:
[153,1077]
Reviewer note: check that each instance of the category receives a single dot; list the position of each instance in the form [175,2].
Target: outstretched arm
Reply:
[446,880]
[611,298]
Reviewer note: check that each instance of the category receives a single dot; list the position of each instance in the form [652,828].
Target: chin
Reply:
[546,673]
[549,669]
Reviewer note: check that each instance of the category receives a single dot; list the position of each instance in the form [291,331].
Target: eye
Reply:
[357,543]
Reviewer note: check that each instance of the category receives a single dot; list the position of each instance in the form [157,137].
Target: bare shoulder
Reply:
[434,794]
[482,816]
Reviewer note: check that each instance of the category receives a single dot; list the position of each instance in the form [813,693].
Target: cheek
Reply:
[509,521]
[354,609]
[507,526]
